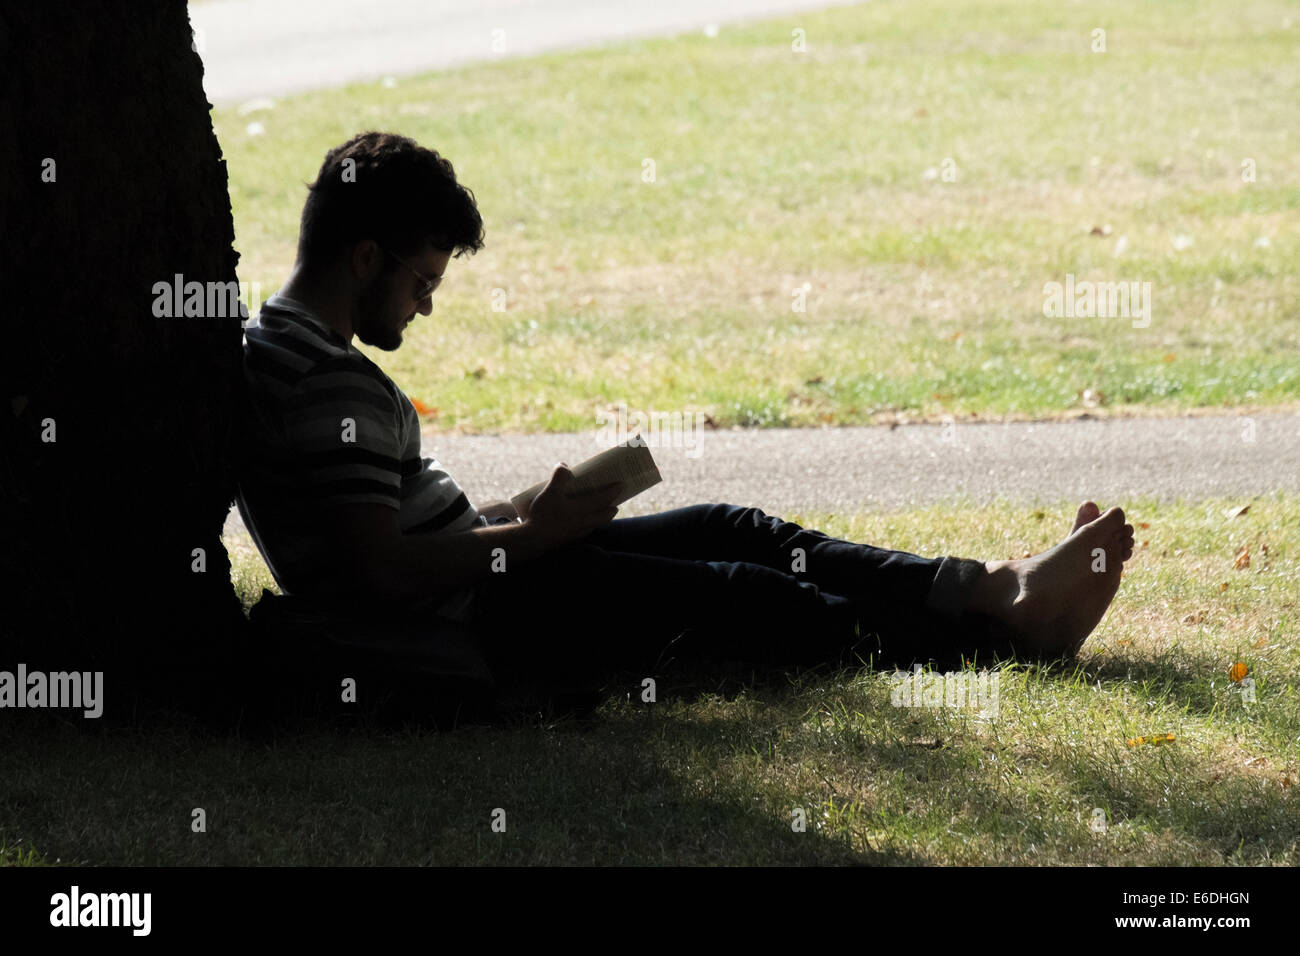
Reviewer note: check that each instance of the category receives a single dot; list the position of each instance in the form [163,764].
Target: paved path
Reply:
[259,48]
[879,468]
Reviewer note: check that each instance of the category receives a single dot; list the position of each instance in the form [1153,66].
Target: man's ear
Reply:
[366,261]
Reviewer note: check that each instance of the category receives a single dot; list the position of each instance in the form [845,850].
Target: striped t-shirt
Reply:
[327,428]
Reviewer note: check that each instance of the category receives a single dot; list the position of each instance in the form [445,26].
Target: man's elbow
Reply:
[365,547]
[365,578]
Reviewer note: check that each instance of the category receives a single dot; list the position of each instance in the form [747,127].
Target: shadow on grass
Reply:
[339,792]
[709,774]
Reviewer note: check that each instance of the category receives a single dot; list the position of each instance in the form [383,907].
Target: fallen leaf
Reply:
[954,337]
[1243,558]
[1238,671]
[1223,587]
[1236,512]
[1156,739]
[1144,525]
[1100,230]
[423,409]
[1170,357]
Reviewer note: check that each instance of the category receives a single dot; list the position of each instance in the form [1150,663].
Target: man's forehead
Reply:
[435,259]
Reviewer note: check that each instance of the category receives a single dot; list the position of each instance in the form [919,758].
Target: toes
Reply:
[1113,516]
[1087,513]
[1110,521]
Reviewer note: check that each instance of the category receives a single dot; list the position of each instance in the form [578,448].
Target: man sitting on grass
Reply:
[348,510]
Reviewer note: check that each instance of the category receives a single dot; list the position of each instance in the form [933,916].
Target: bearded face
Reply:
[389,303]
[380,319]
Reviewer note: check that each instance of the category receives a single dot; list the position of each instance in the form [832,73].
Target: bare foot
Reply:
[1088,511]
[1050,603]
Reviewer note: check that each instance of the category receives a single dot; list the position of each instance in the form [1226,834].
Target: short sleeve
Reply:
[343,429]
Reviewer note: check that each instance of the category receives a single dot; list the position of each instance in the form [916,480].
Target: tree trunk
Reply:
[117,427]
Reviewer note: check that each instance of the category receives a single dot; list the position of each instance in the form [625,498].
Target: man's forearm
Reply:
[424,564]
[499,509]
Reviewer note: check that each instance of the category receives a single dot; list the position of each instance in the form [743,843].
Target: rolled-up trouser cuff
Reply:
[953,586]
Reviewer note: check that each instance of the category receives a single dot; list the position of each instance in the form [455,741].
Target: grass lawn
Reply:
[713,774]
[824,170]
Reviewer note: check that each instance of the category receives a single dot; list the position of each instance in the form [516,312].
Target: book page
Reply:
[631,464]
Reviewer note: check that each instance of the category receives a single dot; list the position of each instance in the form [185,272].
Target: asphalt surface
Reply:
[254,49]
[880,468]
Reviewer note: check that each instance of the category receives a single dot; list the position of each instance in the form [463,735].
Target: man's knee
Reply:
[732,514]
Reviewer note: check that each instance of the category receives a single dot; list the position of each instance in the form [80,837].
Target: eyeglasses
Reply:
[429,285]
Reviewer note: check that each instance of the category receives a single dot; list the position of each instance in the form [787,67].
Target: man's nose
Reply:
[426,305]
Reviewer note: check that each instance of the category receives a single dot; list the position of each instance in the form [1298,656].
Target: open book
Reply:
[630,463]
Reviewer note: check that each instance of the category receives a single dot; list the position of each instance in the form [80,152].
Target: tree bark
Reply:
[112,180]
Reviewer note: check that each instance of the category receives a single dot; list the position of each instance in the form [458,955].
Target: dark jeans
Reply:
[718,581]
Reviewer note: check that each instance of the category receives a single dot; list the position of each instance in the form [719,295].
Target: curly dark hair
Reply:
[395,192]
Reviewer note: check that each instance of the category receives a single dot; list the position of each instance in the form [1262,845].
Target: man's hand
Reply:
[560,516]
